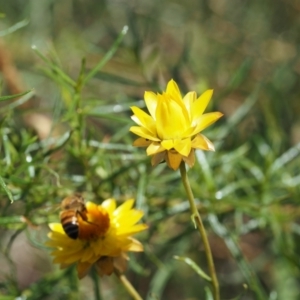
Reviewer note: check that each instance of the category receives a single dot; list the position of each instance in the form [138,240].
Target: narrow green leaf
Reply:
[54,67]
[117,79]
[241,74]
[103,110]
[79,82]
[242,295]
[18,102]
[109,54]
[14,28]
[11,220]
[206,169]
[194,266]
[109,146]
[159,282]
[141,202]
[208,294]
[59,143]
[8,192]
[4,98]
[286,157]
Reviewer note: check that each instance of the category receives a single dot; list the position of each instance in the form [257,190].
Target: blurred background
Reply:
[247,191]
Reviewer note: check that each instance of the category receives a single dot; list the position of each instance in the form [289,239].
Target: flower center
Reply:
[96,225]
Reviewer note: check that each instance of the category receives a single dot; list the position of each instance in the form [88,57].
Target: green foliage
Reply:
[247,191]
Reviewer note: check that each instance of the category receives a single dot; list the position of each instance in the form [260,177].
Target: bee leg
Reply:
[84,218]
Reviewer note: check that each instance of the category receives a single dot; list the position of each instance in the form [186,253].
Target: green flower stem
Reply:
[198,223]
[128,286]
[95,277]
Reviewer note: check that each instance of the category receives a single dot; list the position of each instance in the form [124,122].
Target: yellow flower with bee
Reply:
[103,235]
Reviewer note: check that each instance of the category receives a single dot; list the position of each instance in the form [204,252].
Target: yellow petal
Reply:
[131,218]
[143,119]
[173,90]
[100,247]
[189,132]
[184,147]
[173,159]
[151,103]
[64,257]
[154,148]
[200,104]
[172,119]
[135,246]
[143,132]
[206,120]
[203,143]
[132,230]
[91,206]
[60,239]
[188,100]
[141,142]
[88,256]
[63,242]
[57,227]
[168,144]
[51,244]
[124,208]
[109,205]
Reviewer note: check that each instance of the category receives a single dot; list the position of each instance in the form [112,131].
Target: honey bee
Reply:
[72,207]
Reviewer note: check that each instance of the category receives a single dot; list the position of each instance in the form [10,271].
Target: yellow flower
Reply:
[105,247]
[171,132]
